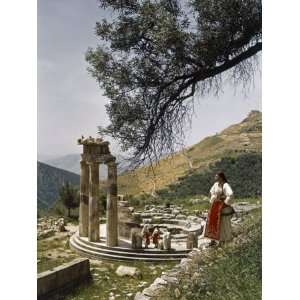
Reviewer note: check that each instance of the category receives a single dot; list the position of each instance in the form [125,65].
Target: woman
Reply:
[146,235]
[218,225]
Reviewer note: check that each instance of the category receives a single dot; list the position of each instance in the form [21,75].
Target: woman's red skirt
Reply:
[212,228]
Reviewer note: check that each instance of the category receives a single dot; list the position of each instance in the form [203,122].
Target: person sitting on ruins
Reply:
[155,237]
[146,235]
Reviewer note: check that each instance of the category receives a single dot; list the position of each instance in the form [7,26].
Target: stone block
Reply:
[62,278]
[136,239]
[192,241]
[160,245]
[181,217]
[167,241]
[140,296]
[128,271]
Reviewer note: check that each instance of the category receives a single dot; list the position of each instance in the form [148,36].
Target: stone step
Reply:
[153,253]
[99,255]
[118,252]
[129,250]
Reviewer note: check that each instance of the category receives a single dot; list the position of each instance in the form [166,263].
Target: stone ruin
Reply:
[173,222]
[48,226]
[128,220]
[96,152]
[122,232]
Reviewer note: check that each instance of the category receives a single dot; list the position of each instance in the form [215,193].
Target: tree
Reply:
[69,197]
[156,55]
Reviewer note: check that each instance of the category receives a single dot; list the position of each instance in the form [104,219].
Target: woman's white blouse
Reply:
[216,191]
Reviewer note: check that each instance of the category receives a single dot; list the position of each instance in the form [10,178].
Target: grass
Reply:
[229,273]
[234,274]
[106,281]
[54,251]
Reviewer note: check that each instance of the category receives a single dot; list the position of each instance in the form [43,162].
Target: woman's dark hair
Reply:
[222,175]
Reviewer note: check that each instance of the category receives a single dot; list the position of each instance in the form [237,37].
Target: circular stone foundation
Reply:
[99,250]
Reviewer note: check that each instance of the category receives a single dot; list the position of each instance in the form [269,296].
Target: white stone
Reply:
[177,293]
[194,219]
[175,212]
[160,281]
[153,290]
[170,279]
[161,245]
[167,241]
[128,271]
[140,296]
[181,217]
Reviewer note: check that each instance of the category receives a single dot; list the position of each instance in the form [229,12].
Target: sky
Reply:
[70,102]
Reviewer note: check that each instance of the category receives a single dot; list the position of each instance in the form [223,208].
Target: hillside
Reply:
[49,181]
[237,139]
[243,173]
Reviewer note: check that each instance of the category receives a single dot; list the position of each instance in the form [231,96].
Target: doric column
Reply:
[112,208]
[84,199]
[93,232]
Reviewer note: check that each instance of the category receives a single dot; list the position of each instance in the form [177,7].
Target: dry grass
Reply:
[236,139]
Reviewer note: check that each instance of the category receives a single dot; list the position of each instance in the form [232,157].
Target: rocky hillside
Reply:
[241,138]
[49,181]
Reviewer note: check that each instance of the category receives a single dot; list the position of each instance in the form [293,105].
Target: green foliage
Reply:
[57,209]
[243,173]
[135,201]
[102,200]
[156,55]
[235,276]
[233,272]
[69,196]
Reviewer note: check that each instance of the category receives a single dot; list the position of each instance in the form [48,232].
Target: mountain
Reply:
[242,138]
[71,162]
[44,157]
[49,181]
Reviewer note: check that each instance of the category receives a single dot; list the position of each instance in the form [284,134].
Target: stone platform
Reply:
[99,250]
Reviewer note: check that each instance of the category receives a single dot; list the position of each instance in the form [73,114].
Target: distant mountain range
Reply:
[49,181]
[71,163]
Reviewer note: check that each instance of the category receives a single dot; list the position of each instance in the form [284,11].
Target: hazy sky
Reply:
[70,103]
